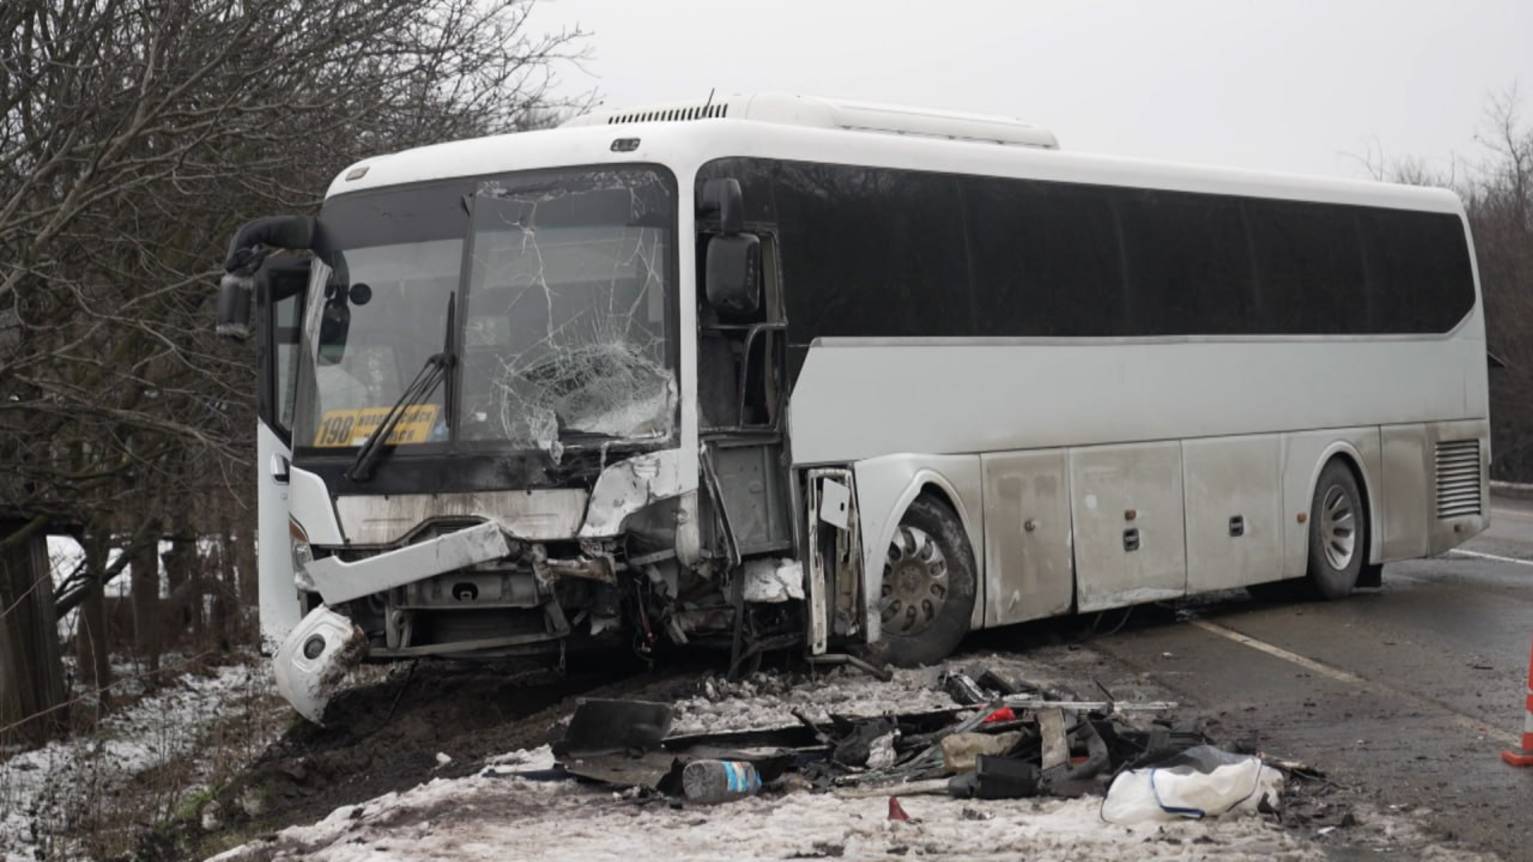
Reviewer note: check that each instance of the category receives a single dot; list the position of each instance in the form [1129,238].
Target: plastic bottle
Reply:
[710,781]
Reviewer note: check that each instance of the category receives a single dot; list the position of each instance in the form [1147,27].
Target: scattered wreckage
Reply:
[1006,740]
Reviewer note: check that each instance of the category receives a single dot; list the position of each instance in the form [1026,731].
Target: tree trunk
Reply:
[248,608]
[185,607]
[31,671]
[144,572]
[92,639]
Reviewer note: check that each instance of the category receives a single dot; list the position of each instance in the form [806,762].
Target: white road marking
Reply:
[1306,663]
[1497,557]
[1514,514]
[1464,720]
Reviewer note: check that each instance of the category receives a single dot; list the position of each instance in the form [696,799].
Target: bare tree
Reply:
[134,136]
[1500,204]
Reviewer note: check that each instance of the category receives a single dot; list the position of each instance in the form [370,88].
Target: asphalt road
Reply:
[1408,693]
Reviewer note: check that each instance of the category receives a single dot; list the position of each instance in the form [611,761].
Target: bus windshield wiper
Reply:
[431,375]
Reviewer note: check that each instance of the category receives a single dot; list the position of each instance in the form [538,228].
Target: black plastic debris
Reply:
[996,778]
[601,726]
[1026,740]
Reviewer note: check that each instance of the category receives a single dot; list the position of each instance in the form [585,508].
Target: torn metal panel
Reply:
[1056,749]
[595,568]
[833,585]
[628,486]
[340,581]
[315,657]
[536,515]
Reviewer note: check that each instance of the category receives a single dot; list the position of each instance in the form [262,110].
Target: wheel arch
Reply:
[1353,460]
[886,486]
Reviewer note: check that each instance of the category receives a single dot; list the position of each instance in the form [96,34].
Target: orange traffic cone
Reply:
[1525,756]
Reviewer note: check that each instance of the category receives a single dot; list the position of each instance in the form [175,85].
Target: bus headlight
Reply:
[303,555]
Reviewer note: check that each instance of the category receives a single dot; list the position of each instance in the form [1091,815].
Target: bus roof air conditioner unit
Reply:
[824,113]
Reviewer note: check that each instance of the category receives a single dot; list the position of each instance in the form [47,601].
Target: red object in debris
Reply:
[1002,714]
[1525,756]
[897,811]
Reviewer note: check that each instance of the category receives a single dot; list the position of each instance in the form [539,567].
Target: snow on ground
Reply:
[768,700]
[486,817]
[41,789]
[495,818]
[499,814]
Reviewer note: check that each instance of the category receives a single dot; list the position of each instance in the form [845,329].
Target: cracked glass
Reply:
[566,312]
[564,291]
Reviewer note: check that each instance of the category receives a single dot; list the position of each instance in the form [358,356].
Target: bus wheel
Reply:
[928,591]
[1338,533]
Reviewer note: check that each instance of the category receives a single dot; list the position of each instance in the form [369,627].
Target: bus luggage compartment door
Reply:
[1234,523]
[1027,535]
[1129,528]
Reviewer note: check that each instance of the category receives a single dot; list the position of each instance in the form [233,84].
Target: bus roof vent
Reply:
[837,114]
[664,114]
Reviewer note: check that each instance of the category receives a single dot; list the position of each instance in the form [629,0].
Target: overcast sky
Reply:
[1285,86]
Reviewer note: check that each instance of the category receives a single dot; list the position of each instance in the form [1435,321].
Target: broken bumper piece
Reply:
[340,581]
[313,660]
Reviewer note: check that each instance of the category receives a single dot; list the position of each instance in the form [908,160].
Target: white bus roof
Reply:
[683,136]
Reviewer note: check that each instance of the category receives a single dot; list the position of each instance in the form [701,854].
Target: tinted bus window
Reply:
[883,252]
[1045,259]
[1187,264]
[871,252]
[1418,270]
[1310,261]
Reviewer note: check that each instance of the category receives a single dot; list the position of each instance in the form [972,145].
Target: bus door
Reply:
[281,285]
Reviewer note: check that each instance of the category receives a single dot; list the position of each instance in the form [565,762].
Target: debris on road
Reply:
[1008,739]
[1202,781]
[708,782]
[843,765]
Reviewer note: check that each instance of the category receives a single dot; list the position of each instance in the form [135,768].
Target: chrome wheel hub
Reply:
[1338,527]
[915,582]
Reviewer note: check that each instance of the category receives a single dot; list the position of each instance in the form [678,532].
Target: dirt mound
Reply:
[385,736]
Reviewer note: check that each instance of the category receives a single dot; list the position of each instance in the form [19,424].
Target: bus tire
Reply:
[930,555]
[1338,533]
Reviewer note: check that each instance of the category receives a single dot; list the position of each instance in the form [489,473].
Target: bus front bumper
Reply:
[315,658]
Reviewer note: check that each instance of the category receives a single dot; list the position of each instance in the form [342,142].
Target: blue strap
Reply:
[1193,813]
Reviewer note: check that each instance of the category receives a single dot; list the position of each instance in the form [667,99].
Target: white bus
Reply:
[780,372]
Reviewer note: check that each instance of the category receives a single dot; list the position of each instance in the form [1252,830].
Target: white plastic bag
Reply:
[1202,781]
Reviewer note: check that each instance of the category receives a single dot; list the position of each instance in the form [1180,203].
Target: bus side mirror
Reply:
[234,301]
[733,274]
[724,198]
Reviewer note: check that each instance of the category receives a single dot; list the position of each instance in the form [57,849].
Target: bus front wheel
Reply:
[1338,533]
[927,597]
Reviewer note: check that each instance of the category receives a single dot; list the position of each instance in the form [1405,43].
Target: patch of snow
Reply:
[504,812]
[480,817]
[768,700]
[40,789]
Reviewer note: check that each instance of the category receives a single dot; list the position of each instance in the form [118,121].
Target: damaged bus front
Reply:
[471,424]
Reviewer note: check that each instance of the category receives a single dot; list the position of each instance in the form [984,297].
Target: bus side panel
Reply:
[1234,516]
[1129,525]
[1407,490]
[1027,536]
[1305,453]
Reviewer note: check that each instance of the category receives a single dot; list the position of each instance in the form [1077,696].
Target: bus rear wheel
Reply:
[927,596]
[1338,533]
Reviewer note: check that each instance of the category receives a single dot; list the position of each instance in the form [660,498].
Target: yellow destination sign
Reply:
[353,427]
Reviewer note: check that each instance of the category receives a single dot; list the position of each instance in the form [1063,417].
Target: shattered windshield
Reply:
[563,295]
[566,305]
